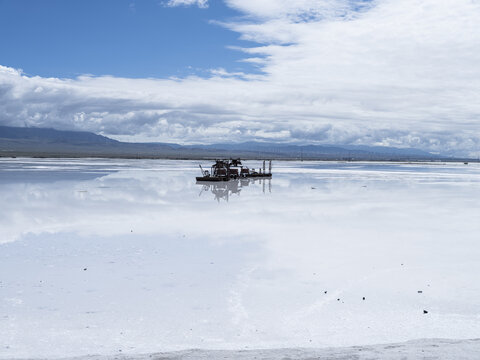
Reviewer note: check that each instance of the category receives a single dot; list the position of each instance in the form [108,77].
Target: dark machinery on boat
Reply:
[224,170]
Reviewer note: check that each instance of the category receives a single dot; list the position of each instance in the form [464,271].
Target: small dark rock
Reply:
[325,292]
[84,269]
[363,298]
[338,299]
[419,291]
[425,311]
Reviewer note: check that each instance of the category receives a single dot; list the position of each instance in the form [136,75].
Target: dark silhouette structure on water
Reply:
[224,170]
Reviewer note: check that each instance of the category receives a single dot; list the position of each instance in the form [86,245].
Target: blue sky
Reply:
[128,38]
[398,73]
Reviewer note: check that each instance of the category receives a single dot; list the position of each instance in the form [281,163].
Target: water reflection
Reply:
[223,190]
[284,267]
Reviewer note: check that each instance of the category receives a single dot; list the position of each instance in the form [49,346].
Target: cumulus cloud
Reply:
[388,72]
[200,3]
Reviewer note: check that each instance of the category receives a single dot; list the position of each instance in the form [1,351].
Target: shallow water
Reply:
[103,256]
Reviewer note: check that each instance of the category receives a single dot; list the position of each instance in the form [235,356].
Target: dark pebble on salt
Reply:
[84,269]
[419,291]
[363,298]
[425,311]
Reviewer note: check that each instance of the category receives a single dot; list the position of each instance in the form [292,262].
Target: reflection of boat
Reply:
[224,170]
[224,189]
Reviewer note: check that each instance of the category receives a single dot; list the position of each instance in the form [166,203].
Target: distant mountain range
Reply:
[44,142]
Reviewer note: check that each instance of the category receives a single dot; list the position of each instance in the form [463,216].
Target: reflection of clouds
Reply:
[153,201]
[250,272]
[351,241]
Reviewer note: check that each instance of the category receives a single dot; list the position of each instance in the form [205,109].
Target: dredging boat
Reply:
[224,170]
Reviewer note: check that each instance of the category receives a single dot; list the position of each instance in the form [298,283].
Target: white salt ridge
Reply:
[431,349]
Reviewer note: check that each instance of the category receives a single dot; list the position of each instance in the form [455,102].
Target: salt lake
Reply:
[108,256]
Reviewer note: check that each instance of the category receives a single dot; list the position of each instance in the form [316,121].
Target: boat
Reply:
[224,170]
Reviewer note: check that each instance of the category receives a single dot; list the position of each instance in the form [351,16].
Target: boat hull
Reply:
[259,176]
[224,178]
[211,178]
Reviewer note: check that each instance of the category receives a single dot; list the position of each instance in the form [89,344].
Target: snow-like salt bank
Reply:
[131,257]
[431,349]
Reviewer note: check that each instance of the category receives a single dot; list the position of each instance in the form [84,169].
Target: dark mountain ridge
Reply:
[47,142]
[46,135]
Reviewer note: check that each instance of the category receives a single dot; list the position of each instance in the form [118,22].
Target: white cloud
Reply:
[398,72]
[200,3]
[300,10]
